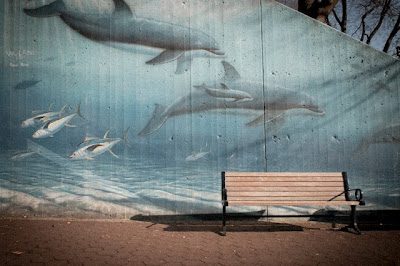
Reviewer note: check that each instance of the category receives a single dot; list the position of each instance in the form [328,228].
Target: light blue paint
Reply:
[282,58]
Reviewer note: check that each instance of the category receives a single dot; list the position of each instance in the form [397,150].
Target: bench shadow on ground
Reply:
[236,222]
[259,222]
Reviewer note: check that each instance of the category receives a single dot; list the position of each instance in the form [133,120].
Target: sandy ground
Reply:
[122,242]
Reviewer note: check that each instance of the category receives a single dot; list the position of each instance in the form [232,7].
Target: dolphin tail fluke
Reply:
[50,10]
[165,57]
[158,119]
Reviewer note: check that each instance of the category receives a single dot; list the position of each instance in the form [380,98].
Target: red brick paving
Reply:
[111,242]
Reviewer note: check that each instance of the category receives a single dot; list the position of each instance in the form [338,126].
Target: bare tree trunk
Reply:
[392,34]
[344,16]
[317,9]
[342,22]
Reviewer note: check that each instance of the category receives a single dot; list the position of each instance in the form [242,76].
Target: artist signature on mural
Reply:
[19,65]
[18,55]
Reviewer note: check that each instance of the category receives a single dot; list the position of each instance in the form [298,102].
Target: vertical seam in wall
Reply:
[263,84]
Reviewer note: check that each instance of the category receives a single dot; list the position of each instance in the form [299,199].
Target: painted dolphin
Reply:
[225,92]
[122,26]
[271,106]
[388,134]
[92,147]
[52,127]
[42,118]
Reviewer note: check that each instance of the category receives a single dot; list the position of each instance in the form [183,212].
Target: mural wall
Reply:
[116,108]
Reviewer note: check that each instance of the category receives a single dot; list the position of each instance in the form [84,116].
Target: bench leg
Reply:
[353,222]
[224,220]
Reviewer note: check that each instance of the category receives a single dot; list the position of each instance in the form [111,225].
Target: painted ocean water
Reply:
[46,184]
[225,89]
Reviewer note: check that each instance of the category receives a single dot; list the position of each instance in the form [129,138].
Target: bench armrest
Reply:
[358,195]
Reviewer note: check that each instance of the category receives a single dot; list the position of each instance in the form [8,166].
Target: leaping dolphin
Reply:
[122,26]
[271,106]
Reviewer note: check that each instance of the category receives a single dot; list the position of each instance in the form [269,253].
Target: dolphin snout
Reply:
[316,109]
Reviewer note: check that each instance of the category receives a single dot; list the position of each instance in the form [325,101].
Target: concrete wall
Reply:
[188,89]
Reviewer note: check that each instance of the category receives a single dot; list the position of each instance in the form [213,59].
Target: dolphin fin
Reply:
[224,87]
[230,72]
[158,119]
[271,118]
[53,9]
[184,63]
[68,125]
[165,57]
[122,7]
[113,154]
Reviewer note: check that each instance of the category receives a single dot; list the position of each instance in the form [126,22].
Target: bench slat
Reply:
[291,203]
[298,174]
[284,189]
[284,179]
[283,184]
[285,194]
[282,198]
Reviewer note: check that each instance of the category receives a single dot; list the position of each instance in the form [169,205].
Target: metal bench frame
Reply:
[358,196]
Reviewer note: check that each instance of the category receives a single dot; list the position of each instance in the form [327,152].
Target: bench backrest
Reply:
[285,189]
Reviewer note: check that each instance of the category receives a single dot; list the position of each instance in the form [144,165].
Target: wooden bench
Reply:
[289,189]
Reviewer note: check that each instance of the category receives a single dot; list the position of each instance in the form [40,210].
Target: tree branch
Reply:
[385,9]
[392,34]
[363,21]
